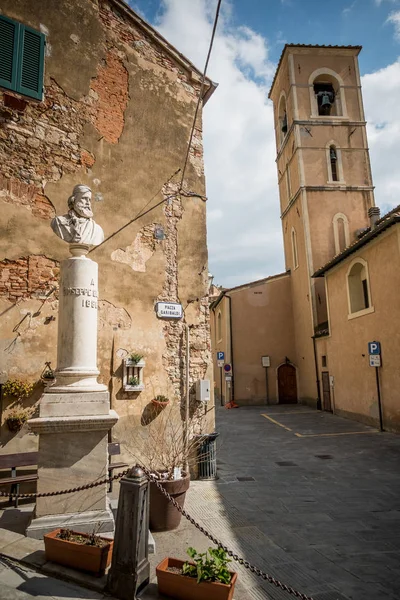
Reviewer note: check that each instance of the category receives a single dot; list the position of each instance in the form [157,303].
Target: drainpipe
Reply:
[319,403]
[231,347]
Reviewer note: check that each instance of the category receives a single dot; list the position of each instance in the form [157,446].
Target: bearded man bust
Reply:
[78,226]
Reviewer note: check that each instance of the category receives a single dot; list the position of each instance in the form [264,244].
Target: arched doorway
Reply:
[287,384]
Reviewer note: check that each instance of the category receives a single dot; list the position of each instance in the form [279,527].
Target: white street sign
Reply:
[228,378]
[220,363]
[374,360]
[169,310]
[265,361]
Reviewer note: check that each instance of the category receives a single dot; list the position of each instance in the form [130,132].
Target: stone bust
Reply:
[77,226]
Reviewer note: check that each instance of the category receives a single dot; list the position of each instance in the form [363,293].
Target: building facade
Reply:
[327,205]
[92,94]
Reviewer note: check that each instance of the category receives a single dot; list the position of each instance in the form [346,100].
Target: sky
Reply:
[244,233]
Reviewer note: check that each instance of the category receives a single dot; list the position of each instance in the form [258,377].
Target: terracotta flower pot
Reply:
[78,556]
[182,587]
[159,404]
[163,514]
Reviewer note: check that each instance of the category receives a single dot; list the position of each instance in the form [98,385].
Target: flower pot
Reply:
[163,514]
[159,404]
[182,587]
[14,424]
[78,556]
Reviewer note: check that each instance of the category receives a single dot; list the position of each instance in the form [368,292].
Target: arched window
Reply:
[294,249]
[334,163]
[219,326]
[341,232]
[282,118]
[327,94]
[358,287]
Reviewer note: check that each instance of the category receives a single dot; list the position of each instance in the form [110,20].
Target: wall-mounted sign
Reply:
[265,361]
[220,363]
[169,310]
[374,360]
[220,355]
[374,348]
[228,378]
[227,368]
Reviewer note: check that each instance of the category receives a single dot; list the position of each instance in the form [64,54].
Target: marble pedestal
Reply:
[74,414]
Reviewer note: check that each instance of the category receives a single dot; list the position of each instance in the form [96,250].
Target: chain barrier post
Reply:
[130,567]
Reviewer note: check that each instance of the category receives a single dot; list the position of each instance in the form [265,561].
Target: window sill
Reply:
[336,183]
[329,118]
[361,313]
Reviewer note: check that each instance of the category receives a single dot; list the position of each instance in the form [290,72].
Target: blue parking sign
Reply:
[220,355]
[374,348]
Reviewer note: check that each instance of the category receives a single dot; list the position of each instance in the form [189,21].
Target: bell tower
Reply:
[324,174]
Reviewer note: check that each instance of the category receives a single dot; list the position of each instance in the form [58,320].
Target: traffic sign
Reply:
[374,348]
[220,363]
[374,360]
[228,378]
[220,355]
[227,368]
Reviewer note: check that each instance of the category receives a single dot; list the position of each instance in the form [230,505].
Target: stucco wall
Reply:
[355,392]
[263,326]
[116,115]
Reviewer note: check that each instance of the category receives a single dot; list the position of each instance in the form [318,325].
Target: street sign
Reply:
[220,355]
[374,348]
[220,363]
[374,360]
[265,361]
[227,368]
[169,310]
[228,378]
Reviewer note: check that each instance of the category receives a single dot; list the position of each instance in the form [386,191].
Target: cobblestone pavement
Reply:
[311,498]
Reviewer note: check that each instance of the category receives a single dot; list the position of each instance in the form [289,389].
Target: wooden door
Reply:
[287,384]
[326,392]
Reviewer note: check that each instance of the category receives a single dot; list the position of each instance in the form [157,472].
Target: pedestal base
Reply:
[100,521]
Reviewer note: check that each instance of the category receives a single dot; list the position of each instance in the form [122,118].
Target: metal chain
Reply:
[60,492]
[151,477]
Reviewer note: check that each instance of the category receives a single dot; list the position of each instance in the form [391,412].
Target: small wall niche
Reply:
[132,380]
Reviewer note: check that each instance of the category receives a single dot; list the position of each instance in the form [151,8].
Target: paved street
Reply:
[311,498]
[308,497]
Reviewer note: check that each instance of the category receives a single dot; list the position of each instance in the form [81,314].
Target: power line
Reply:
[201,91]
[180,190]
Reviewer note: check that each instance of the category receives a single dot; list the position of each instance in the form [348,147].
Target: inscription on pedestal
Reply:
[83,291]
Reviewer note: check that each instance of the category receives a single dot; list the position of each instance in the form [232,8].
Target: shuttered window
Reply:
[21,58]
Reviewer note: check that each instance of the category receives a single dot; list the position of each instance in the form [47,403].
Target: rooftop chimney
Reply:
[374,214]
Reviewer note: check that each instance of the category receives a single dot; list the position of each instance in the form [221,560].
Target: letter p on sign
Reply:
[374,348]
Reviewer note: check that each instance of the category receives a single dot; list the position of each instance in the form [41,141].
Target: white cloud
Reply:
[381,91]
[394,18]
[244,229]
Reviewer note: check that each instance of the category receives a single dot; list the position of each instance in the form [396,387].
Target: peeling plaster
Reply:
[139,252]
[113,316]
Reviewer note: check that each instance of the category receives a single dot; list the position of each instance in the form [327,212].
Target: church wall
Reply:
[116,115]
[355,392]
[263,326]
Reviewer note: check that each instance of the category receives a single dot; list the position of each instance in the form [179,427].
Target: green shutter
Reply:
[9,38]
[31,62]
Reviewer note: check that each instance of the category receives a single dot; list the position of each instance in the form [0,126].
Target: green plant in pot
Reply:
[135,357]
[207,576]
[134,381]
[160,401]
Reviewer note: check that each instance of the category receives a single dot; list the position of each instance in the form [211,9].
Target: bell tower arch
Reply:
[323,171]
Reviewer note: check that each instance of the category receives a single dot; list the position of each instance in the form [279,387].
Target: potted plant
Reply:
[82,551]
[160,401]
[135,359]
[166,447]
[16,418]
[206,577]
[134,381]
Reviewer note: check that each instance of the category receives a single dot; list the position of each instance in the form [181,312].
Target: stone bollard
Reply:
[130,567]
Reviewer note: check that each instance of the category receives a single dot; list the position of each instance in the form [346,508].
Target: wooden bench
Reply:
[12,461]
[28,459]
